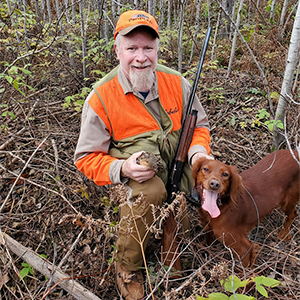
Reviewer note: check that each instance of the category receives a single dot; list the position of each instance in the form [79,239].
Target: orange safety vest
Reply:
[126,116]
[133,127]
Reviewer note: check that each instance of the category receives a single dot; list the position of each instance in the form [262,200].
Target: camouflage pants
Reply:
[129,249]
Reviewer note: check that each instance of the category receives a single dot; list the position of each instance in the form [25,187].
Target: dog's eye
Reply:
[206,169]
[225,174]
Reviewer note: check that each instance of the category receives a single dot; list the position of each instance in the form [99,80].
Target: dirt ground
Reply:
[57,212]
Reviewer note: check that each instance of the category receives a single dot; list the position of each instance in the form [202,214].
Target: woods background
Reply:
[51,52]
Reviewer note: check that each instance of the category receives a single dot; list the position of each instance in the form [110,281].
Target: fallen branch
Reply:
[46,268]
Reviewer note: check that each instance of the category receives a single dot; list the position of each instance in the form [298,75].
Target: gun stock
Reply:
[183,146]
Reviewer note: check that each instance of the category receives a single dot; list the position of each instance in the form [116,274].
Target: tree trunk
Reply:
[49,11]
[180,34]
[287,79]
[238,19]
[162,9]
[113,9]
[48,269]
[296,77]
[169,14]
[287,21]
[105,25]
[215,38]
[58,15]
[73,12]
[225,24]
[151,7]
[197,21]
[13,22]
[136,4]
[272,12]
[83,36]
[283,12]
[232,17]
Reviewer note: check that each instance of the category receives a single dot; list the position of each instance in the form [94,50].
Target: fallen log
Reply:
[46,268]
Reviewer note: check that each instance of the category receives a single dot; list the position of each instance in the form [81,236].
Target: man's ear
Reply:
[116,50]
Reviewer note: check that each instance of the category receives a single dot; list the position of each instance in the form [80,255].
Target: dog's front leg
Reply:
[170,251]
[205,222]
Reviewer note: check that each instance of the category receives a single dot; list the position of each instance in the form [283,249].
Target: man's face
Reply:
[137,53]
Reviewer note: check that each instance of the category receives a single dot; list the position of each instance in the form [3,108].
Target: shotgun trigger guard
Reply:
[193,197]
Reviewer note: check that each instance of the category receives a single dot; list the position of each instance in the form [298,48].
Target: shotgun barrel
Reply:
[186,132]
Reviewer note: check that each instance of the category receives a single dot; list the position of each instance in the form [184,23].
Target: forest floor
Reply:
[55,211]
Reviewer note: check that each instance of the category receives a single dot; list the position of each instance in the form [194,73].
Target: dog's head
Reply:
[215,180]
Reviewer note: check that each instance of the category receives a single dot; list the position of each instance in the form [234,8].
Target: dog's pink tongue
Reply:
[210,203]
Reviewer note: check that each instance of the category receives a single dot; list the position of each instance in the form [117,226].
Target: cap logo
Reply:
[140,17]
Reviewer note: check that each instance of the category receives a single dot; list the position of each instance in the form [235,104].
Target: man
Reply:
[137,107]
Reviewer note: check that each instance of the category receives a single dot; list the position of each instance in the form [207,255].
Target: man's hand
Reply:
[199,155]
[135,171]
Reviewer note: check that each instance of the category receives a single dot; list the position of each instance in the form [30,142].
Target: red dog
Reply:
[228,211]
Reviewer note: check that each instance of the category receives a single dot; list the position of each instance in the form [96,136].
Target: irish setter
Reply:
[228,211]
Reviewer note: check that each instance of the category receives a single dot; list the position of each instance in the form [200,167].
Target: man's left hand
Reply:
[199,155]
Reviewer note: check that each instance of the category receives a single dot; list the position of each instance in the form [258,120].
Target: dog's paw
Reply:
[284,234]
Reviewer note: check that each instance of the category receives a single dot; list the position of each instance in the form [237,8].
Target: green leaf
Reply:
[200,298]
[13,70]
[27,72]
[262,290]
[232,121]
[231,101]
[25,265]
[259,279]
[274,95]
[228,283]
[279,124]
[241,297]
[270,125]
[31,270]
[263,114]
[267,281]
[24,272]
[9,79]
[217,296]
[16,84]
[254,91]
[12,115]
[270,282]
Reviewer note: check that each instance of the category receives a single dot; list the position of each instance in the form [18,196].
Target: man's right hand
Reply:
[137,172]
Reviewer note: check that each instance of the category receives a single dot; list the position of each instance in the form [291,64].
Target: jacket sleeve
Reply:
[91,156]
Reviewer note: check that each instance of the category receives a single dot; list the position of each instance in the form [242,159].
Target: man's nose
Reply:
[140,55]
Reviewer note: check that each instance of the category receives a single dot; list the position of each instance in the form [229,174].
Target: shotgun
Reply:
[186,132]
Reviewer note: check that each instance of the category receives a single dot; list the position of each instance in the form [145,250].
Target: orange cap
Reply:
[134,18]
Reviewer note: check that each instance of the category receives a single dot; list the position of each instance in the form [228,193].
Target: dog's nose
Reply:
[214,184]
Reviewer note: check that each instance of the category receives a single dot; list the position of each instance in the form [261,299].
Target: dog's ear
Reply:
[235,184]
[196,168]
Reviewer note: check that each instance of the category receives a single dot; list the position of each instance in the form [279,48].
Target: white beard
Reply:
[141,81]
